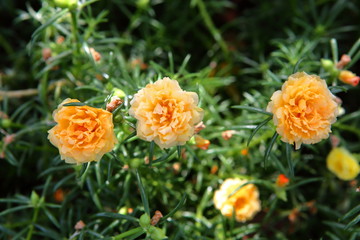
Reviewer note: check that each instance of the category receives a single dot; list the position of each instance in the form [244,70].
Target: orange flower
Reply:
[349,78]
[83,133]
[244,151]
[303,109]
[244,202]
[166,114]
[282,180]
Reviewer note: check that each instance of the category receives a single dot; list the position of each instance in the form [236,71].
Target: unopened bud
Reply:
[119,93]
[144,220]
[327,64]
[71,4]
[349,78]
[202,143]
[5,123]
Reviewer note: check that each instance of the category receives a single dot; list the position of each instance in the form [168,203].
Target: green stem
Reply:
[210,25]
[128,233]
[76,42]
[33,221]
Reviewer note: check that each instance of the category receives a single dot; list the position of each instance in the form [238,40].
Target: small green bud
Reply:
[34,199]
[327,64]
[157,234]
[123,210]
[118,118]
[192,140]
[135,162]
[119,93]
[6,123]
[144,220]
[142,4]
[71,4]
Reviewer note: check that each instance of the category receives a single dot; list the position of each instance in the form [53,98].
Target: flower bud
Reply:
[34,199]
[327,64]
[202,143]
[349,78]
[142,4]
[5,123]
[119,93]
[144,220]
[71,4]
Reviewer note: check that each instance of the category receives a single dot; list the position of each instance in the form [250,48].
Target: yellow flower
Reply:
[166,114]
[303,109]
[82,133]
[342,164]
[244,203]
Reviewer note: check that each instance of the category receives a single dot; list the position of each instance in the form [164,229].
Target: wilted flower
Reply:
[82,133]
[115,101]
[79,225]
[282,180]
[244,202]
[46,53]
[349,77]
[343,164]
[156,218]
[60,39]
[344,60]
[166,114]
[198,127]
[96,56]
[303,109]
[226,135]
[139,63]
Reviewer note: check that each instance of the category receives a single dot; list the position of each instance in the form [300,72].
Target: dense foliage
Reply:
[234,55]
